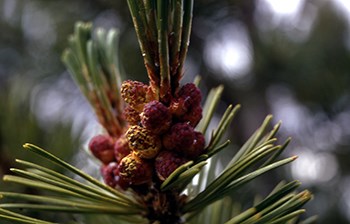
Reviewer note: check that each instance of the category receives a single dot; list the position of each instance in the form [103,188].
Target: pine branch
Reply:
[163,47]
[95,68]
[186,33]
[13,216]
[146,44]
[78,172]
[176,35]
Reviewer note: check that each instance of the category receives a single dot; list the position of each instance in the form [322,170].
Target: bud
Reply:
[189,96]
[193,116]
[156,117]
[107,172]
[166,162]
[134,93]
[121,148]
[101,146]
[179,138]
[134,170]
[110,174]
[142,142]
[177,107]
[197,148]
[131,115]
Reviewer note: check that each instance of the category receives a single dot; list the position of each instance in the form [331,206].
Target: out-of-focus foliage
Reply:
[293,65]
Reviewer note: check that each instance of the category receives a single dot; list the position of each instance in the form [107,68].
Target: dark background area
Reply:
[286,58]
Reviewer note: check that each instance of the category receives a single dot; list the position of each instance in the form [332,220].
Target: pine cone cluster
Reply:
[160,137]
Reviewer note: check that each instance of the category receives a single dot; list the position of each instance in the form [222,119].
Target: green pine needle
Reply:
[209,108]
[56,160]
[13,216]
[94,65]
[163,47]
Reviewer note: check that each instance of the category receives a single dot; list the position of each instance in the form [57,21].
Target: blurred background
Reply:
[286,58]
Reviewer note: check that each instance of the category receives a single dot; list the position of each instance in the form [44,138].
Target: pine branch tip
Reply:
[65,54]
[26,145]
[82,24]
[306,195]
[298,182]
[5,178]
[236,107]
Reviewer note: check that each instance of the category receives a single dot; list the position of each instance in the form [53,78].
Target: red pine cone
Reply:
[131,115]
[189,96]
[193,116]
[177,107]
[134,170]
[166,162]
[142,142]
[101,146]
[134,93]
[110,174]
[179,138]
[156,117]
[121,148]
[197,147]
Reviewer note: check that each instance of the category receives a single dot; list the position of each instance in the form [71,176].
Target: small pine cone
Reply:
[134,170]
[179,138]
[197,147]
[131,115]
[142,142]
[166,162]
[110,174]
[156,117]
[134,93]
[191,94]
[101,146]
[193,116]
[107,172]
[177,107]
[121,148]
